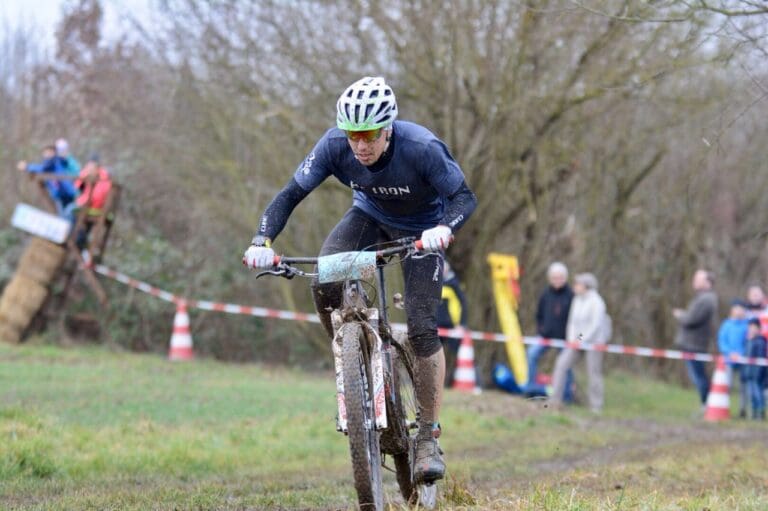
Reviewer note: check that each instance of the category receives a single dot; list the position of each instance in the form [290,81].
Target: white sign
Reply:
[40,223]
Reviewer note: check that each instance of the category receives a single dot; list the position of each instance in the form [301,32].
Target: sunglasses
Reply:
[366,135]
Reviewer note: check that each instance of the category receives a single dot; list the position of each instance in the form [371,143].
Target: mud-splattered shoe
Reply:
[429,464]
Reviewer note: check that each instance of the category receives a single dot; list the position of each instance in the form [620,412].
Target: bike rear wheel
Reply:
[361,419]
[406,409]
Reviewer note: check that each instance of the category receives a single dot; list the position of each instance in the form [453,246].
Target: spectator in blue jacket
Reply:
[62,192]
[732,340]
[755,374]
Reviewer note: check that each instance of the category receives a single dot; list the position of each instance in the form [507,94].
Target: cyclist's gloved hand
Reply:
[259,255]
[436,239]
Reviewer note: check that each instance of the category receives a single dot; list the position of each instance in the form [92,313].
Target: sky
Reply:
[44,14]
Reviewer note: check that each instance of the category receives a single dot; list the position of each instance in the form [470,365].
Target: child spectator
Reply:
[756,375]
[94,184]
[732,340]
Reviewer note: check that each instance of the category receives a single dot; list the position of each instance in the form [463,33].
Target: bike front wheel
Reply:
[361,419]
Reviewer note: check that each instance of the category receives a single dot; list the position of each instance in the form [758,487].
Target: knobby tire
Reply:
[406,409]
[361,420]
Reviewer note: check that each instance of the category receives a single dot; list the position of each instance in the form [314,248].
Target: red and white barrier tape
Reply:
[457,333]
[230,308]
[639,351]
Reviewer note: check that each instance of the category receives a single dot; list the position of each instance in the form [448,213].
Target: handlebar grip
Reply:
[420,244]
[276,260]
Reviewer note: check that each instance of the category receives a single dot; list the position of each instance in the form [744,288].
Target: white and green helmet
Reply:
[367,104]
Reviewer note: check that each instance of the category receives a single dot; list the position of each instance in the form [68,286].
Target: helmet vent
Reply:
[382,107]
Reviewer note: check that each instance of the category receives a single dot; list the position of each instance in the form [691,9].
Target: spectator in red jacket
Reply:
[94,184]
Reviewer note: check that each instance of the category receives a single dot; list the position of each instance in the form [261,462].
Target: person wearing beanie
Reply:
[551,320]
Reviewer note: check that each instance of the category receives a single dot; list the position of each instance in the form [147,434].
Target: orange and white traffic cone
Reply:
[181,339]
[718,401]
[464,376]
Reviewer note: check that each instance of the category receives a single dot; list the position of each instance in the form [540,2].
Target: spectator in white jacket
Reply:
[588,322]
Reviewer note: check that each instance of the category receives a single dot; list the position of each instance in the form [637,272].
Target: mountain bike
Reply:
[375,396]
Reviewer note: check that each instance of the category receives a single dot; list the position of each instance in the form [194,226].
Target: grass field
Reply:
[91,429]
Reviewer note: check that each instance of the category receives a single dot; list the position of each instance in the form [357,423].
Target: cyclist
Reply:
[404,183]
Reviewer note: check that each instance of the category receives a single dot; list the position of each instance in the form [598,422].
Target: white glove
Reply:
[436,239]
[259,257]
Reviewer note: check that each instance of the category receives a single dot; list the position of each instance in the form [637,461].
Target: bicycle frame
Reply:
[386,426]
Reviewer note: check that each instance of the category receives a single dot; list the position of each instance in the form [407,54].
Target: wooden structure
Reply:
[29,297]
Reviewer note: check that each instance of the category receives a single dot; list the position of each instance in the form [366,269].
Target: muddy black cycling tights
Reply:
[423,278]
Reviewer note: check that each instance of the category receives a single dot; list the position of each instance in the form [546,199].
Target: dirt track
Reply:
[652,437]
[643,441]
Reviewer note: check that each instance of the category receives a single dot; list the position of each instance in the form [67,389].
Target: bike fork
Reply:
[377,371]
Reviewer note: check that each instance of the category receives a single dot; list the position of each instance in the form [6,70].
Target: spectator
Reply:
[62,150]
[695,328]
[757,307]
[452,313]
[588,322]
[551,321]
[731,340]
[755,300]
[94,183]
[756,375]
[61,191]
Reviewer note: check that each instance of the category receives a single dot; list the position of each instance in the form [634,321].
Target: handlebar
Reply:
[283,266]
[403,245]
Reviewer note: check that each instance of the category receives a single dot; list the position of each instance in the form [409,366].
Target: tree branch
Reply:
[731,13]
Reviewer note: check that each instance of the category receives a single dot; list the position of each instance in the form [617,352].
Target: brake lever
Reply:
[276,273]
[423,255]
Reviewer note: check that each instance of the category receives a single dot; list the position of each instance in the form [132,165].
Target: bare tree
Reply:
[620,136]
